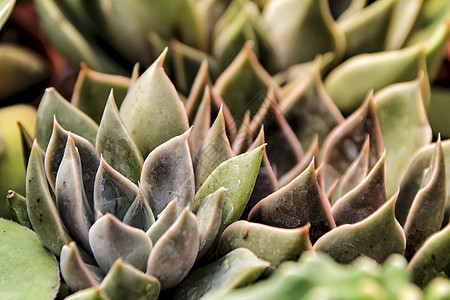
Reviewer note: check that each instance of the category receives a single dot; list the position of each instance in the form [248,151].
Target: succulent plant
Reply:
[135,203]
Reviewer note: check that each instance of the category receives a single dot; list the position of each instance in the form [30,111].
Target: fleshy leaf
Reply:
[404,126]
[344,142]
[293,23]
[436,47]
[124,281]
[294,205]
[238,176]
[111,239]
[54,105]
[92,293]
[214,150]
[372,71]
[90,159]
[140,214]
[364,199]
[153,95]
[71,198]
[377,237]
[355,173]
[243,135]
[432,259]
[116,145]
[197,93]
[41,209]
[309,110]
[201,123]
[365,31]
[168,173]
[113,192]
[271,244]
[174,254]
[75,272]
[427,210]
[165,219]
[29,271]
[403,18]
[209,218]
[283,147]
[236,269]
[244,84]
[18,207]
[92,88]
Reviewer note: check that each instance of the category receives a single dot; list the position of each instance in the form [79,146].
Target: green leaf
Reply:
[6,7]
[300,202]
[71,118]
[404,126]
[140,214]
[214,150]
[293,23]
[238,176]
[110,239]
[29,271]
[116,145]
[41,208]
[201,123]
[89,294]
[236,269]
[427,210]
[437,111]
[377,237]
[372,71]
[165,219]
[18,207]
[432,259]
[92,88]
[124,281]
[365,31]
[174,254]
[152,111]
[271,244]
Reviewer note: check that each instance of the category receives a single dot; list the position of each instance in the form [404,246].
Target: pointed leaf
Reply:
[201,123]
[294,205]
[71,198]
[238,176]
[92,88]
[365,32]
[41,209]
[432,259]
[244,84]
[174,254]
[197,93]
[74,271]
[124,281]
[404,126]
[309,110]
[152,111]
[272,244]
[402,20]
[71,118]
[165,219]
[168,173]
[372,71]
[113,192]
[214,150]
[243,137]
[29,271]
[364,199]
[238,268]
[344,142]
[111,239]
[140,214]
[18,206]
[294,23]
[90,159]
[209,218]
[377,237]
[116,145]
[427,210]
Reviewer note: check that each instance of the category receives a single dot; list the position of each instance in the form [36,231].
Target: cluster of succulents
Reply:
[143,188]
